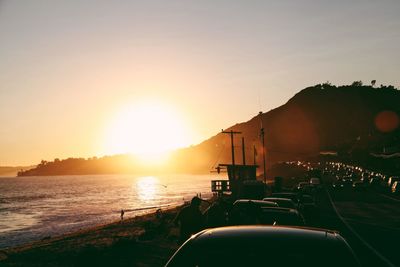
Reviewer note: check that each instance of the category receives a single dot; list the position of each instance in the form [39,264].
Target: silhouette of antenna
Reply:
[262,135]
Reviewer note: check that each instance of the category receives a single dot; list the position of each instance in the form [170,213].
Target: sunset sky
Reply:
[78,77]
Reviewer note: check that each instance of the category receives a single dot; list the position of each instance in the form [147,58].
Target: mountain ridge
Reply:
[350,119]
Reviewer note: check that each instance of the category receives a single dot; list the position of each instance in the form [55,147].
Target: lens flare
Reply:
[387,121]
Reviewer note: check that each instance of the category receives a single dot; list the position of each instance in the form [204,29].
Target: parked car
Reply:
[347,181]
[245,203]
[366,177]
[396,187]
[315,182]
[265,245]
[282,202]
[359,186]
[247,211]
[280,216]
[338,184]
[375,182]
[293,196]
[309,209]
[306,200]
[301,185]
[391,181]
[309,190]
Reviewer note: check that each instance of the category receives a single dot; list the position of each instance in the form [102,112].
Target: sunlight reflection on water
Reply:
[35,207]
[146,187]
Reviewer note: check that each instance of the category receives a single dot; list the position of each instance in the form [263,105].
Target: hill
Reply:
[352,121]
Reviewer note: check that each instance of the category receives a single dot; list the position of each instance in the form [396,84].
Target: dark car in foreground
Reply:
[264,246]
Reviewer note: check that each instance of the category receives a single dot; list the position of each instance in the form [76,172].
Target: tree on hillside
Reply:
[357,83]
[42,163]
[327,85]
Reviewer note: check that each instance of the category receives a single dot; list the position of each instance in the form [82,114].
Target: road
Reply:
[370,221]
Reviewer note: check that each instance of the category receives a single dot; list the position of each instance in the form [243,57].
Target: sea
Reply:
[35,208]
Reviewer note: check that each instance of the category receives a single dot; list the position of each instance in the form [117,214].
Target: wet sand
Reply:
[141,241]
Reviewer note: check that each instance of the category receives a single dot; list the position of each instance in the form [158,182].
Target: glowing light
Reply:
[147,129]
[387,121]
[147,187]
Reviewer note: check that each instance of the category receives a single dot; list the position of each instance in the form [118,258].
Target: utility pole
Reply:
[243,152]
[231,133]
[254,154]
[262,133]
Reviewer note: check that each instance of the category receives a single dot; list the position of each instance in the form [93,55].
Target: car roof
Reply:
[272,233]
[278,209]
[277,199]
[284,194]
[245,245]
[254,201]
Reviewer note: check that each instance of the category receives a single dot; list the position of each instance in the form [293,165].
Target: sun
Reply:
[147,129]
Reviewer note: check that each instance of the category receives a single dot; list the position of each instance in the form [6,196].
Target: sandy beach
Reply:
[146,240]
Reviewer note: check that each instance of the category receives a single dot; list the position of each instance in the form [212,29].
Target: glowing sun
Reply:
[146,129]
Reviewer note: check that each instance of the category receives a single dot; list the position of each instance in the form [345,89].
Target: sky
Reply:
[69,69]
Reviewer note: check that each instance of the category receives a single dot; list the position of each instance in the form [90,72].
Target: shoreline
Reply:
[76,207]
[134,214]
[147,231]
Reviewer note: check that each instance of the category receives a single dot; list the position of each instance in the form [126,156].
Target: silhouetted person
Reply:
[159,214]
[190,219]
[122,215]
